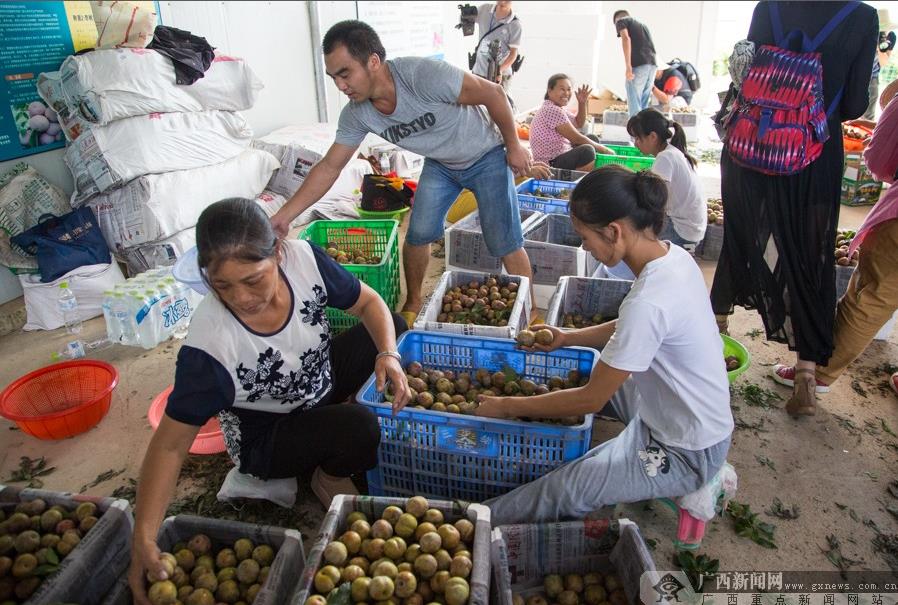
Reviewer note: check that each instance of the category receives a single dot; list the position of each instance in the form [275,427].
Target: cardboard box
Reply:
[600,101]
[859,188]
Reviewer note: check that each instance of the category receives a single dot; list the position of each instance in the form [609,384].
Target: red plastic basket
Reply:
[60,400]
[208,441]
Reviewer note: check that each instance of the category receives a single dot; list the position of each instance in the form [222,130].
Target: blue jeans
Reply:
[669,233]
[490,179]
[639,89]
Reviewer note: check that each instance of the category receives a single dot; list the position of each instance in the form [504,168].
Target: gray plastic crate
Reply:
[710,247]
[565,174]
[554,249]
[517,321]
[334,525]
[102,555]
[522,555]
[466,248]
[586,296]
[285,569]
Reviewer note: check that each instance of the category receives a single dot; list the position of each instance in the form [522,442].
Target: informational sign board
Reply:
[36,37]
[406,28]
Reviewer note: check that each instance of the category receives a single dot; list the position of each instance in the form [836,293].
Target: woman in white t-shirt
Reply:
[661,370]
[686,215]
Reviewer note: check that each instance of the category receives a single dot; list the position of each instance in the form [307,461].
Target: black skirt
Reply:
[777,256]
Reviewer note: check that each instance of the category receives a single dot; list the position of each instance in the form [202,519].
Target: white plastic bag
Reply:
[238,485]
[109,156]
[87,282]
[154,207]
[702,503]
[108,85]
[123,24]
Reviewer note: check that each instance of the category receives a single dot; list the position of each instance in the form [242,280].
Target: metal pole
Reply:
[318,61]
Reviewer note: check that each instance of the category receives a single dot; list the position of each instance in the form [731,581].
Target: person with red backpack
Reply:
[781,174]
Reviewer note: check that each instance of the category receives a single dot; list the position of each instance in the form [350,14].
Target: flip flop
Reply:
[409,317]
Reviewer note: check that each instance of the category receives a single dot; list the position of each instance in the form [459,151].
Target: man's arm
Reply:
[477,91]
[627,45]
[506,64]
[662,96]
[320,179]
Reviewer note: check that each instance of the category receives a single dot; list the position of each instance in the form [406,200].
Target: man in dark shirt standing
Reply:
[639,60]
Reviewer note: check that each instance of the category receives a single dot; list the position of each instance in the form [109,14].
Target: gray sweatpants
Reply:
[629,468]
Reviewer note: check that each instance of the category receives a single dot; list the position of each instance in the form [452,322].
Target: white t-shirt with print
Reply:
[686,205]
[667,338]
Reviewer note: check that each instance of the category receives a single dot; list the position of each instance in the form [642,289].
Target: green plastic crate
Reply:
[376,238]
[627,156]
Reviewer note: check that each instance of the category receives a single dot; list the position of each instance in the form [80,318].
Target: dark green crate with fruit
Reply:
[367,249]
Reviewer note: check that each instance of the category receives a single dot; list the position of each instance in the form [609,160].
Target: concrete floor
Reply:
[821,463]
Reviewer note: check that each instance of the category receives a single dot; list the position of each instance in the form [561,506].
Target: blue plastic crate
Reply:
[548,202]
[453,456]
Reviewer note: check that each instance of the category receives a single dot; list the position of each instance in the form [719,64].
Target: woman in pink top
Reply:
[872,295]
[552,134]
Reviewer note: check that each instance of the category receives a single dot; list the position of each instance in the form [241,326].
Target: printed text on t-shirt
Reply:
[396,133]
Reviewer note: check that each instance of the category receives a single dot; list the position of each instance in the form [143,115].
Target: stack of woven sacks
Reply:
[147,154]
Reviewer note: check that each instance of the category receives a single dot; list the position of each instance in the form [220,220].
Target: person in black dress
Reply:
[779,231]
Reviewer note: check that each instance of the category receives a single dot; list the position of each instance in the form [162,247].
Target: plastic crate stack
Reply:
[627,156]
[148,155]
[375,238]
[466,247]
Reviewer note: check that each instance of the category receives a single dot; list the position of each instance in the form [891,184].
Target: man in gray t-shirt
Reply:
[463,126]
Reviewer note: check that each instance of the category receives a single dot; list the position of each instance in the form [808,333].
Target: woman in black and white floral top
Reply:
[260,356]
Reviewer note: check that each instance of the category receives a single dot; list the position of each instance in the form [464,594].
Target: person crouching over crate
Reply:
[460,123]
[260,355]
[661,372]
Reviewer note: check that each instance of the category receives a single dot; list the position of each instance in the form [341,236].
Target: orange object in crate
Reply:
[208,441]
[60,400]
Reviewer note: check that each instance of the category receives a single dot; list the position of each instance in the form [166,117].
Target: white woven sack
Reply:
[87,283]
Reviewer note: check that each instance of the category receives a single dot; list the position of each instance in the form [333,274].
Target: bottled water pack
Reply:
[149,308]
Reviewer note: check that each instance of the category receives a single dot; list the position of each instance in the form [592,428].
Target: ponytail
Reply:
[612,193]
[648,121]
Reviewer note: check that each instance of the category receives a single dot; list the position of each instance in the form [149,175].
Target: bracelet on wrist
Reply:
[394,354]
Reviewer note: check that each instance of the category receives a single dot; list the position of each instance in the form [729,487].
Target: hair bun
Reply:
[651,191]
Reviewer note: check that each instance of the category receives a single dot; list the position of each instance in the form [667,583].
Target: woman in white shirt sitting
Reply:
[661,372]
[686,215]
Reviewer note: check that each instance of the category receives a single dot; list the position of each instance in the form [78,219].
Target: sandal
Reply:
[409,317]
[804,399]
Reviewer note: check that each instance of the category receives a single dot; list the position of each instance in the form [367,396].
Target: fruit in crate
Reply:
[686,109]
[853,132]
[564,194]
[732,362]
[202,574]
[458,393]
[843,241]
[617,107]
[432,563]
[715,211]
[483,303]
[575,589]
[34,539]
[578,320]
[351,256]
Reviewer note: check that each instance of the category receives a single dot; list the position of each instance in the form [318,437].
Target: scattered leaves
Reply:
[777,509]
[747,525]
[757,427]
[886,428]
[765,461]
[835,556]
[696,568]
[753,334]
[128,491]
[887,546]
[872,475]
[756,396]
[651,543]
[893,489]
[29,471]
[102,477]
[857,388]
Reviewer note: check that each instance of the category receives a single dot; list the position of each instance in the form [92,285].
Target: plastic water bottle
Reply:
[182,306]
[112,329]
[124,320]
[78,349]
[68,306]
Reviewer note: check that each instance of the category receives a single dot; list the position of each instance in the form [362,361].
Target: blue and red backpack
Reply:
[779,124]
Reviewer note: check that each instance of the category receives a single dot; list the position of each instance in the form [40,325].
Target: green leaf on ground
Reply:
[756,396]
[886,428]
[834,554]
[29,470]
[777,509]
[696,567]
[748,525]
[765,461]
